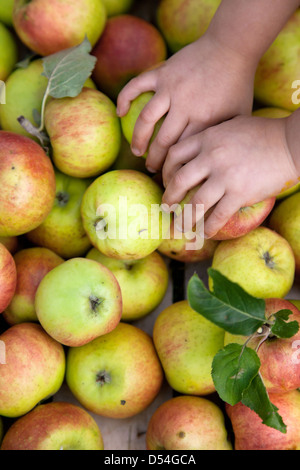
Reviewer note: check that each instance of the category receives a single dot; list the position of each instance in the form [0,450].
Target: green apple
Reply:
[62,231]
[261,262]
[49,27]
[117,375]
[126,160]
[54,426]
[121,212]
[8,277]
[285,220]
[25,89]
[251,434]
[128,46]
[117,7]
[143,282]
[184,21]
[84,132]
[6,11]
[295,302]
[279,68]
[32,265]
[187,423]
[187,350]
[279,371]
[34,369]
[78,301]
[8,53]
[27,184]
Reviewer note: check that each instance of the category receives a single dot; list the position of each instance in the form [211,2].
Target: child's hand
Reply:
[203,84]
[240,162]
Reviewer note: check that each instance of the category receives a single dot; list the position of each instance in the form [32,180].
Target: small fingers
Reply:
[224,210]
[147,81]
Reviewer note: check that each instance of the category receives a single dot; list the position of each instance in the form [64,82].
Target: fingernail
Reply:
[178,227]
[118,112]
[136,152]
[151,170]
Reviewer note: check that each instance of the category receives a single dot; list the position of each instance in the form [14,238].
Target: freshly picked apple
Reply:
[48,27]
[187,423]
[8,52]
[78,301]
[143,282]
[121,212]
[34,369]
[117,375]
[27,184]
[186,344]
[117,7]
[128,46]
[32,265]
[54,426]
[6,11]
[8,277]
[62,231]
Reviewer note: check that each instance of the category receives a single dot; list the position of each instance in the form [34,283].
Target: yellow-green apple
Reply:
[126,160]
[187,423]
[34,369]
[6,11]
[117,7]
[251,434]
[122,214]
[117,375]
[27,184]
[11,243]
[48,27]
[54,426]
[187,350]
[128,46]
[32,265]
[25,89]
[261,262]
[62,231]
[143,282]
[78,301]
[8,52]
[279,68]
[184,21]
[285,220]
[279,371]
[84,132]
[8,277]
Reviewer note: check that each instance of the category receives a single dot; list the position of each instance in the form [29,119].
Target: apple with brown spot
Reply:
[8,277]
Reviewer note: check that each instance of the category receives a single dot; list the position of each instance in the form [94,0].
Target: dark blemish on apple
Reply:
[173,253]
[123,402]
[13,168]
[181,434]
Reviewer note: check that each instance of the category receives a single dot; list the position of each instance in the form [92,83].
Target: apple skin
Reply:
[32,265]
[187,423]
[117,375]
[8,52]
[295,302]
[25,89]
[54,426]
[62,231]
[138,189]
[34,369]
[184,21]
[143,282]
[261,262]
[251,434]
[8,277]
[126,160]
[128,46]
[285,220]
[78,301]
[85,133]
[10,243]
[49,27]
[28,174]
[6,11]
[187,350]
[279,67]
[117,7]
[279,373]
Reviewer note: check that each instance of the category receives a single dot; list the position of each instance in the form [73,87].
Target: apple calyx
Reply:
[269,260]
[62,198]
[103,377]
[100,224]
[95,302]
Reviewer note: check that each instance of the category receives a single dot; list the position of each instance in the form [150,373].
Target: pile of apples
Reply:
[69,297]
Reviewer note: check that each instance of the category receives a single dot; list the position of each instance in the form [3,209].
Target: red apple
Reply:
[8,277]
[27,184]
[128,46]
[11,243]
[32,266]
[251,434]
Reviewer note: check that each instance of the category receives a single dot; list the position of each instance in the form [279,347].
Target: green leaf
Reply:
[283,329]
[233,370]
[228,306]
[68,70]
[257,399]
